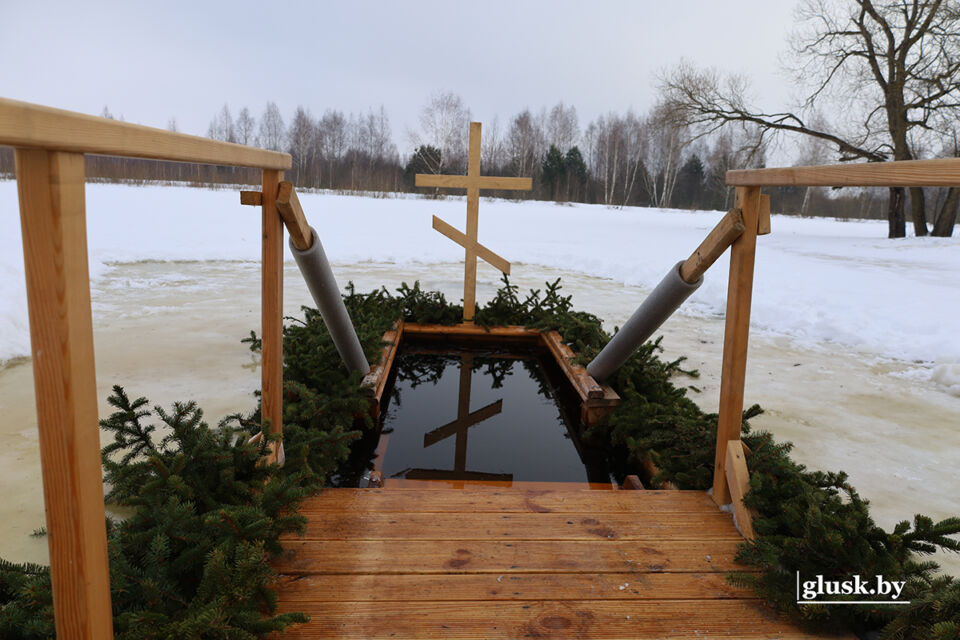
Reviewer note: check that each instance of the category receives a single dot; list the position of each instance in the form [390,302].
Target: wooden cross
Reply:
[459,427]
[473,182]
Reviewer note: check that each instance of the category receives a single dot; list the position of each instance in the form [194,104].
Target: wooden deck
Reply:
[530,561]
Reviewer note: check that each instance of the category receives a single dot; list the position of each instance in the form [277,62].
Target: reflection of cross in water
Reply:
[464,421]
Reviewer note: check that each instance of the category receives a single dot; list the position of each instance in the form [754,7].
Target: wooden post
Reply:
[272,306]
[736,336]
[738,481]
[50,185]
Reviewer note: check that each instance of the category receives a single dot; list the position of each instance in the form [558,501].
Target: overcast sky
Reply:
[152,61]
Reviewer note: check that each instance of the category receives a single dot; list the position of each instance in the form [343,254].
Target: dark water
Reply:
[472,415]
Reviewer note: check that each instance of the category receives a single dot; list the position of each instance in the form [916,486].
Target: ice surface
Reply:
[819,281]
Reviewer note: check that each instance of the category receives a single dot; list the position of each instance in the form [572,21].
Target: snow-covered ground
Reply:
[818,281]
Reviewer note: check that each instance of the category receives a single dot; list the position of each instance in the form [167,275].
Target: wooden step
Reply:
[611,620]
[510,586]
[537,560]
[364,525]
[498,500]
[520,556]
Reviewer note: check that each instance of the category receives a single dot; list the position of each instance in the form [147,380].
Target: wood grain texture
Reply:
[736,335]
[251,198]
[514,586]
[465,182]
[644,525]
[29,125]
[722,236]
[502,557]
[943,172]
[584,384]
[271,320]
[471,331]
[738,481]
[288,204]
[53,223]
[763,218]
[375,382]
[509,563]
[541,499]
[611,620]
[465,242]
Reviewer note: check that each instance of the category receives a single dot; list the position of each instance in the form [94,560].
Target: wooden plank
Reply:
[722,236]
[251,198]
[272,307]
[29,125]
[942,172]
[441,181]
[50,186]
[375,382]
[465,182]
[736,335]
[473,221]
[472,245]
[585,386]
[471,331]
[541,499]
[738,480]
[763,220]
[484,485]
[288,204]
[506,184]
[390,352]
[366,525]
[610,620]
[632,483]
[503,557]
[513,586]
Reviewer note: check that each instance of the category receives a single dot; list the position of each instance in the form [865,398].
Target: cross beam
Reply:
[473,182]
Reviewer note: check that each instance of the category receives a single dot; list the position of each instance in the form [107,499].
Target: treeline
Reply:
[617,160]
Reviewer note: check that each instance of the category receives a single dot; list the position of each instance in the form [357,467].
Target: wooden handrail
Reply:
[33,126]
[288,205]
[722,236]
[942,172]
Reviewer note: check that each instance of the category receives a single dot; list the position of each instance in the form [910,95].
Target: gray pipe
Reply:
[323,286]
[659,305]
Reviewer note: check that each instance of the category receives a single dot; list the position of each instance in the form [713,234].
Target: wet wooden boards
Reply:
[529,561]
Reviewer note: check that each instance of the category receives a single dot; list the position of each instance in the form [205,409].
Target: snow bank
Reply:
[819,281]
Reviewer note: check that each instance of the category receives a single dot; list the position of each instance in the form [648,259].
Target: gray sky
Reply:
[151,61]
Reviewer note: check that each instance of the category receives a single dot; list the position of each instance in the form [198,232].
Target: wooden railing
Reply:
[731,480]
[50,146]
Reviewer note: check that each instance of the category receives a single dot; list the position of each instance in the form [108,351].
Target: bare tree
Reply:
[301,137]
[271,133]
[562,128]
[892,67]
[605,144]
[494,152]
[221,127]
[245,126]
[524,143]
[332,142]
[444,125]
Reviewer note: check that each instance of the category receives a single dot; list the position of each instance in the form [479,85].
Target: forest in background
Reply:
[618,159]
